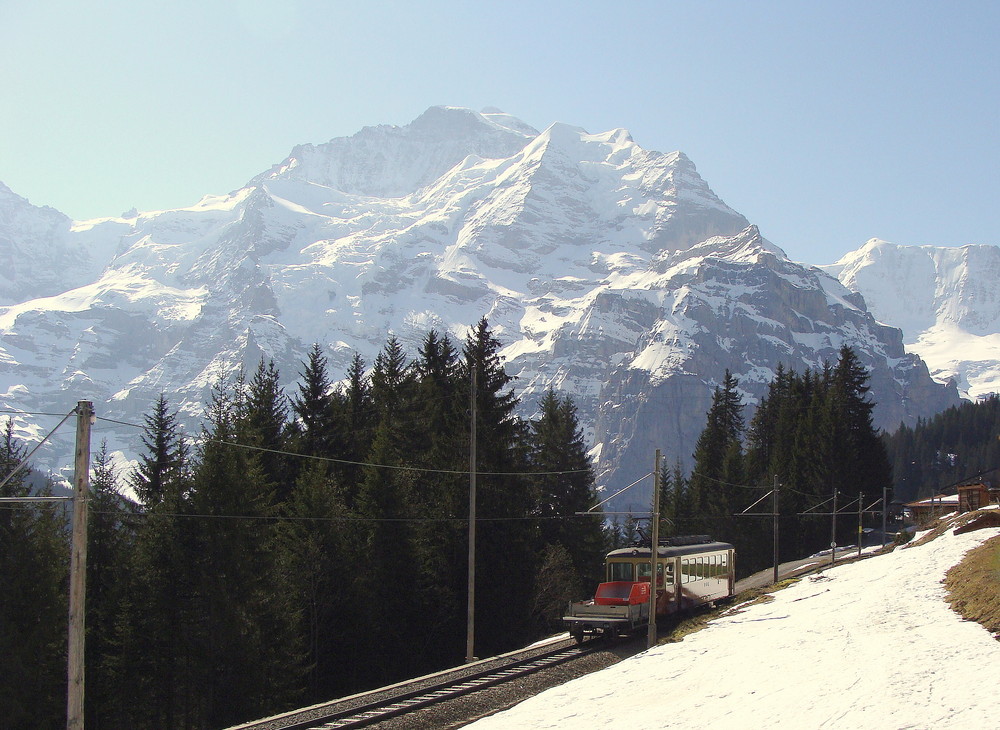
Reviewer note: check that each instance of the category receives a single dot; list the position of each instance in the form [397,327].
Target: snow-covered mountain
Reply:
[42,253]
[945,300]
[611,272]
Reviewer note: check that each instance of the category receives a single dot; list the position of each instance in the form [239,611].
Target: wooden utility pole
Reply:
[78,566]
[654,552]
[470,637]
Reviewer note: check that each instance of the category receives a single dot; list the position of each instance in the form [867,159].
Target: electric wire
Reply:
[426,470]
[31,413]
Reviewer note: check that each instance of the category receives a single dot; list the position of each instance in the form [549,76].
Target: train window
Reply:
[659,575]
[620,571]
[643,570]
[670,573]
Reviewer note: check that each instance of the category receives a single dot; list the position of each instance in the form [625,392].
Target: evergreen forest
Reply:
[302,546]
[812,436]
[937,454]
[311,544]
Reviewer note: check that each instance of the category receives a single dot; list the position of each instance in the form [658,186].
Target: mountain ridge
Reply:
[610,272]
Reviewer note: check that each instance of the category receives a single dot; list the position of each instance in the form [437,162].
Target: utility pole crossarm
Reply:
[34,498]
[616,494]
[747,511]
[24,462]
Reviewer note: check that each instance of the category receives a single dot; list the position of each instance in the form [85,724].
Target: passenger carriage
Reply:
[691,571]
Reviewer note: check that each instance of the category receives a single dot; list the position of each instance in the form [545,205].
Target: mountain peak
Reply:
[450,120]
[387,161]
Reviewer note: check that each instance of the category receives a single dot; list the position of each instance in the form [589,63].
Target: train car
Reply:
[691,571]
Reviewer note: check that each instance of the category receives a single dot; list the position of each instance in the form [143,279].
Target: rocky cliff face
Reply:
[731,303]
[611,272]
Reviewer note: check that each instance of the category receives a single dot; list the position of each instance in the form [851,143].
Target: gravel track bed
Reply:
[464,710]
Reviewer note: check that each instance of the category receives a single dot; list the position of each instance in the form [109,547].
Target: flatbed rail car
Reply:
[691,571]
[618,607]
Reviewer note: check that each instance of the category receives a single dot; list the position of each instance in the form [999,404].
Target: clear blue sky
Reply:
[825,123]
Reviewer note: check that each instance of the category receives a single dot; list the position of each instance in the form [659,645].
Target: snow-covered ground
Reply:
[862,646]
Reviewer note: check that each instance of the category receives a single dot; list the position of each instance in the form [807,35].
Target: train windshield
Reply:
[620,571]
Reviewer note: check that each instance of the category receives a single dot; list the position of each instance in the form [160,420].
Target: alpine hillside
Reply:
[611,273]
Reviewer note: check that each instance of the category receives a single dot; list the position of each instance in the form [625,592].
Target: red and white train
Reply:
[691,571]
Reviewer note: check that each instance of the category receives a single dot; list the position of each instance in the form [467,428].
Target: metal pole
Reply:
[833,530]
[860,529]
[885,508]
[78,567]
[654,551]
[774,513]
[470,639]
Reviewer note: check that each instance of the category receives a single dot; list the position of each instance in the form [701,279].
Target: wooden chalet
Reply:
[977,493]
[927,510]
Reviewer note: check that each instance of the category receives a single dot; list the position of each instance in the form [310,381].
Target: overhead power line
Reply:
[425,470]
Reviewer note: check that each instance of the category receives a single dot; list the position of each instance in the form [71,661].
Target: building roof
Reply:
[944,500]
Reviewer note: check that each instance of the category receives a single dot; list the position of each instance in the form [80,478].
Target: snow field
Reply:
[870,645]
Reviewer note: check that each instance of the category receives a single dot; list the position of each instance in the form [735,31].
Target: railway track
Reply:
[373,707]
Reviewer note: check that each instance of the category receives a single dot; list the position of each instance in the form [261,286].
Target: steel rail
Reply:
[424,696]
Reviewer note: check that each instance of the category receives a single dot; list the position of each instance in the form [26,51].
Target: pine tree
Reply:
[262,421]
[34,562]
[315,548]
[565,488]
[387,540]
[439,444]
[250,660]
[110,544]
[385,501]
[556,585]
[313,407]
[158,633]
[166,455]
[673,495]
[718,461]
[857,459]
[354,408]
[504,538]
[391,382]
